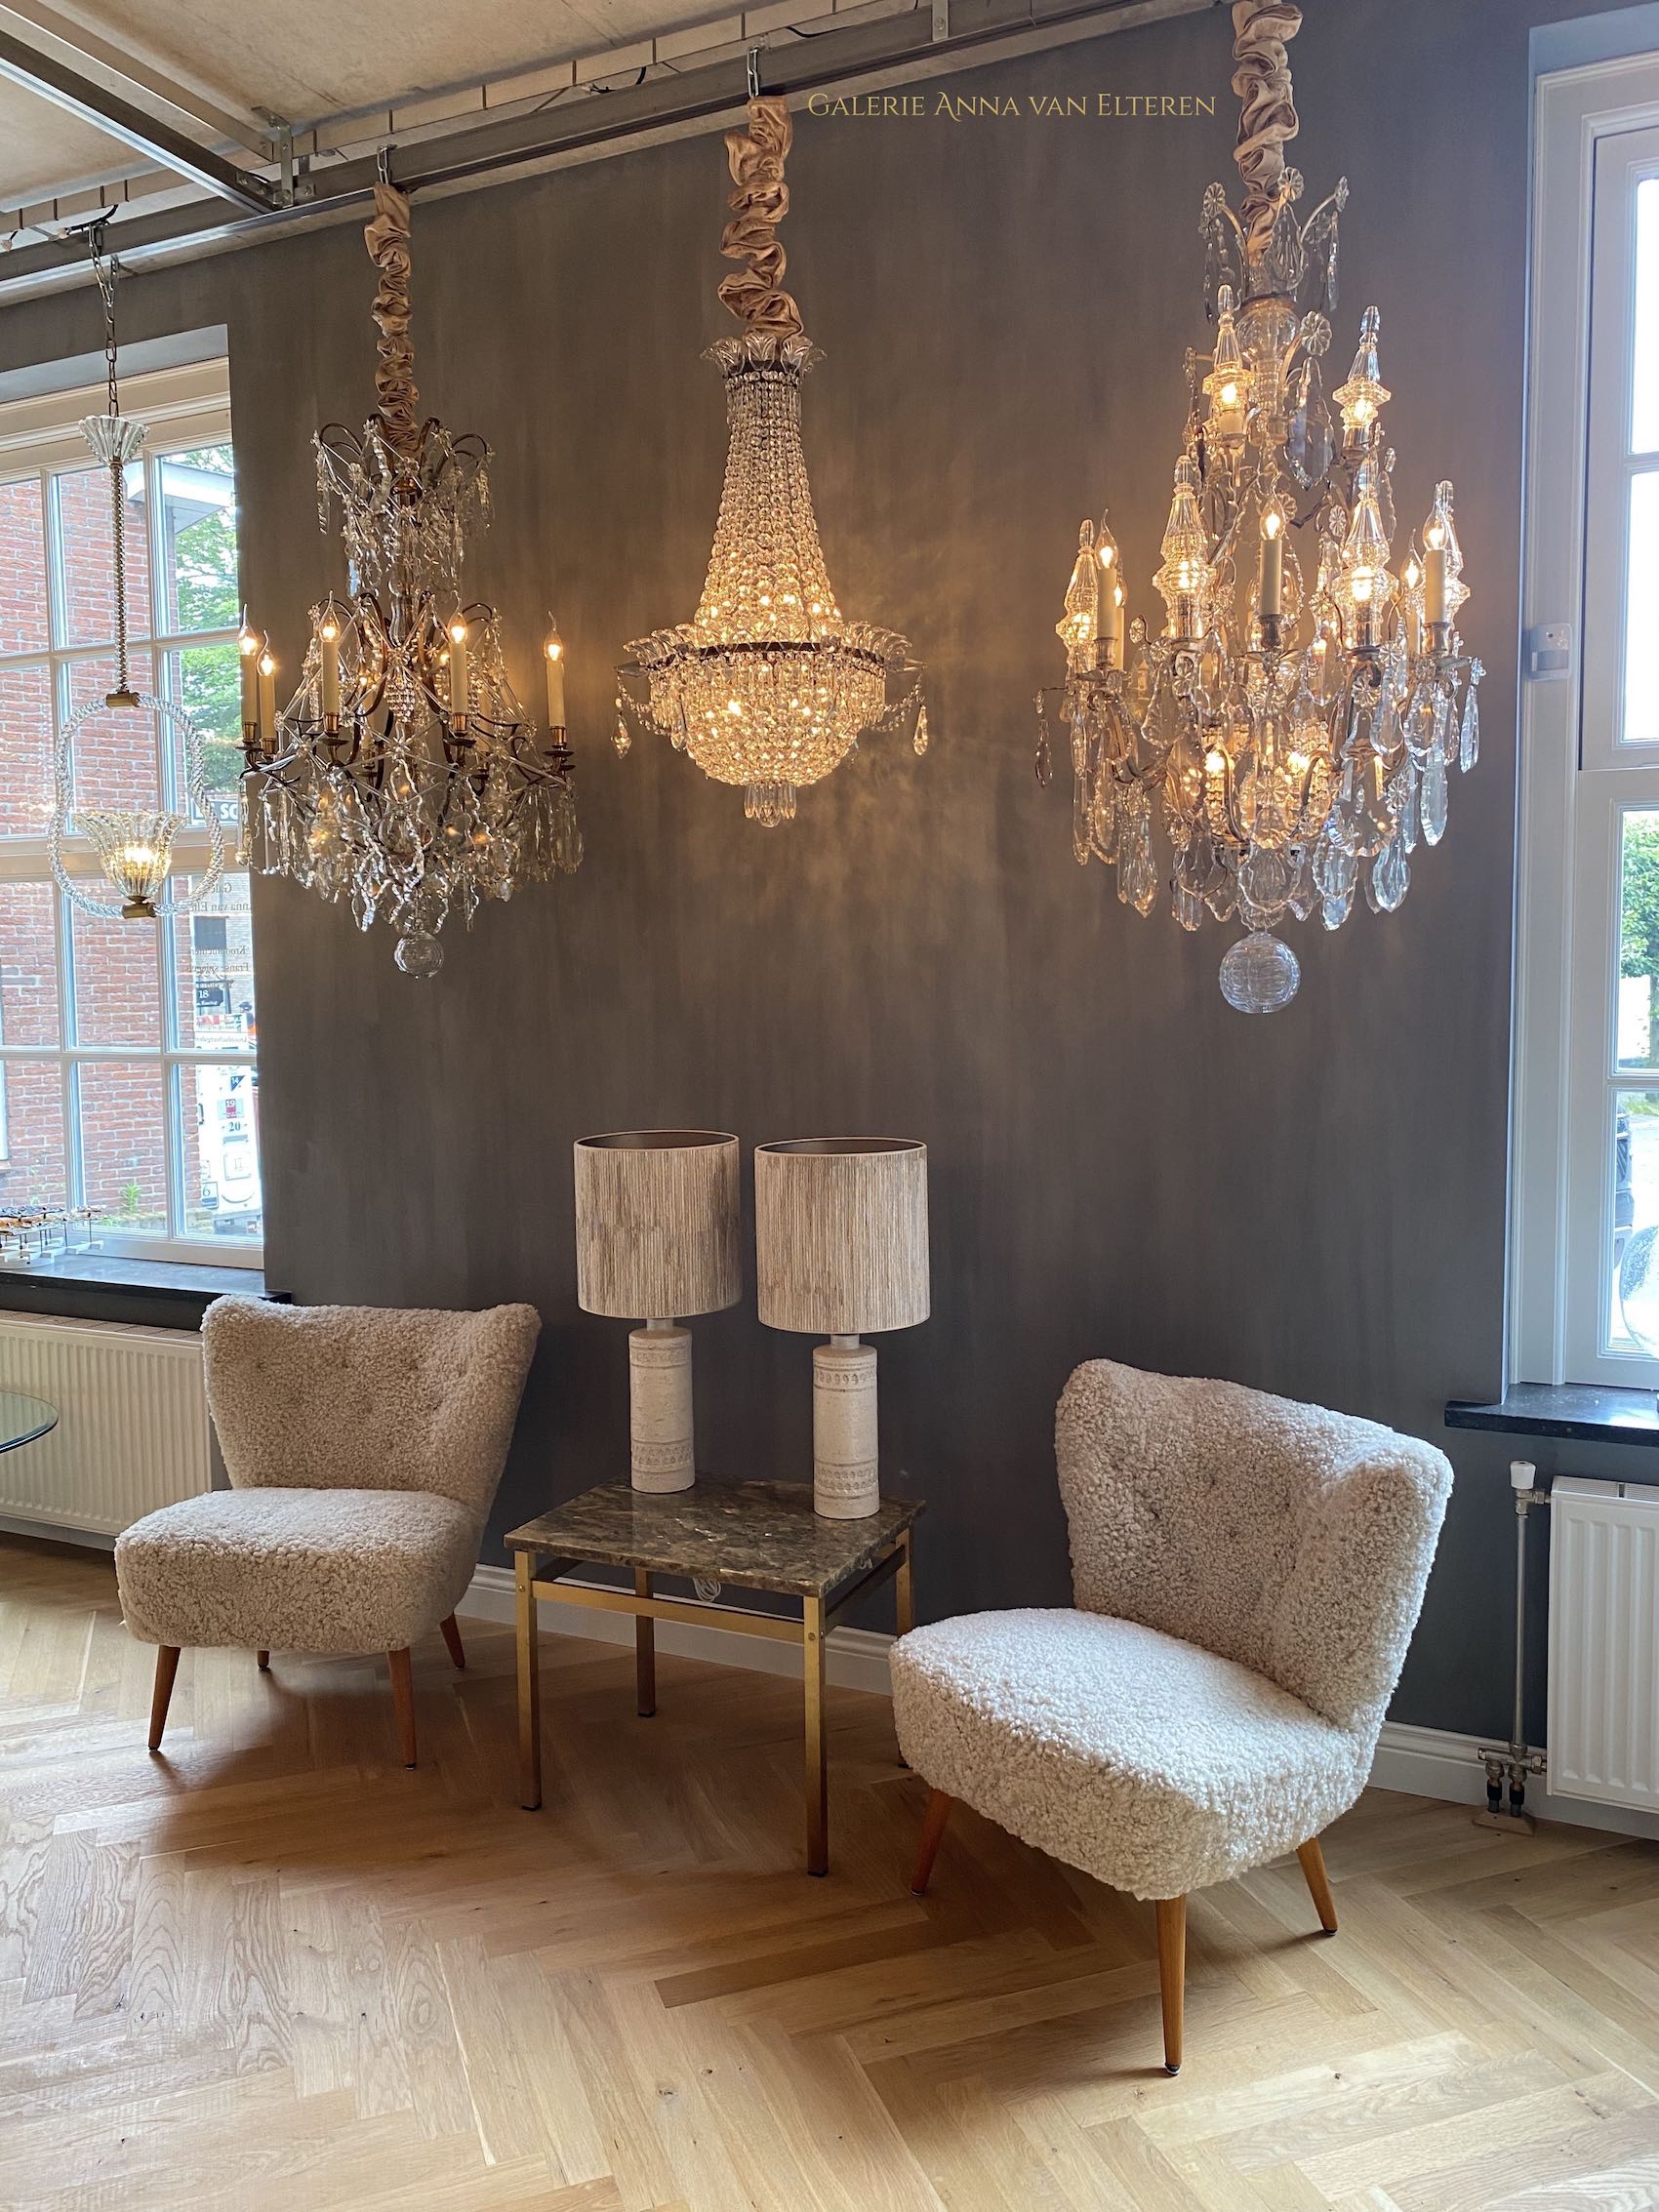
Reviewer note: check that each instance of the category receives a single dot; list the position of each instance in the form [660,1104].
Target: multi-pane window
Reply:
[1587,1106]
[127,1049]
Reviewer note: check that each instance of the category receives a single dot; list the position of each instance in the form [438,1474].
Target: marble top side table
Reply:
[760,1536]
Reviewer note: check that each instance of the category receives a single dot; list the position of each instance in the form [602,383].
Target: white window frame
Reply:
[1596,125]
[184,407]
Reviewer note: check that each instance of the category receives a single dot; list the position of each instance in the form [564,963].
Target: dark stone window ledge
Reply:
[1589,1413]
[101,1286]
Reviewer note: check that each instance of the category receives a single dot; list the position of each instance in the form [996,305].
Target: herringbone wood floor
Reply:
[276,1970]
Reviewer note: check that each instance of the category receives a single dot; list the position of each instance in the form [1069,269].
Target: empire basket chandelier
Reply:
[134,845]
[1295,720]
[405,775]
[768,686]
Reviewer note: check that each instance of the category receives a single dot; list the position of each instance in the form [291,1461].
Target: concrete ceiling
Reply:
[305,60]
[43,149]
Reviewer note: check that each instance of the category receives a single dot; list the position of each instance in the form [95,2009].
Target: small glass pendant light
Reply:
[134,846]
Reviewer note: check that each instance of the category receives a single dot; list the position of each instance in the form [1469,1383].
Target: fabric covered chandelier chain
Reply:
[404,776]
[1291,724]
[134,846]
[768,686]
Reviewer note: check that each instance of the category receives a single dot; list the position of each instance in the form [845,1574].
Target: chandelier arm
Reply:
[759,200]
[386,237]
[1262,31]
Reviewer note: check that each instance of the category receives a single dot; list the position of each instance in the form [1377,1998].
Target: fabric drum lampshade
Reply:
[840,1227]
[657,1240]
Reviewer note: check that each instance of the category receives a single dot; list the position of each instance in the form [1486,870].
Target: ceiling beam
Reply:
[118,118]
[130,71]
[674,104]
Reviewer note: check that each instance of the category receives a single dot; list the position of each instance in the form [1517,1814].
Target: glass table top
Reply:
[23,1418]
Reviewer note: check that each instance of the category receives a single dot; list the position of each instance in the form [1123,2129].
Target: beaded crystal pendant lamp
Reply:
[1292,723]
[132,845]
[768,686]
[404,774]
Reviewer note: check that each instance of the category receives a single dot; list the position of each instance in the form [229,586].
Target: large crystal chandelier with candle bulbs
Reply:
[404,774]
[132,845]
[768,686]
[1293,721]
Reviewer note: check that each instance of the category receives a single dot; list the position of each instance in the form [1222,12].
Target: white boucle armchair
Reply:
[364,1447]
[1247,1574]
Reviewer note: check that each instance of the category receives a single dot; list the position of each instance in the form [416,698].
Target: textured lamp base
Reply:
[658,1369]
[844,1480]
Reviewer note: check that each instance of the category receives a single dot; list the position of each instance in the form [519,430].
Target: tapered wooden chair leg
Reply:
[932,1836]
[452,1637]
[166,1667]
[1318,1883]
[403,1703]
[264,1662]
[1172,1975]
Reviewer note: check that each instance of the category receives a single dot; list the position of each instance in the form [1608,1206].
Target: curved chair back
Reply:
[366,1397]
[1294,1541]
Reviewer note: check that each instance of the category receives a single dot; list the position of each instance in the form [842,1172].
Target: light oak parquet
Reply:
[273,1968]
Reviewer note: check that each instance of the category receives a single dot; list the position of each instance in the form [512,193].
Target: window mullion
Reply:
[174,1053]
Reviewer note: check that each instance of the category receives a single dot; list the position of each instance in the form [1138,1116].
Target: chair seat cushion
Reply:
[296,1570]
[1150,1763]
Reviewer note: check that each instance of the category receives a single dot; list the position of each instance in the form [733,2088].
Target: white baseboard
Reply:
[1435,1762]
[1424,1762]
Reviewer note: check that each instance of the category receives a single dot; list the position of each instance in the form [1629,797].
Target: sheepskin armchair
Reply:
[364,1446]
[1247,1574]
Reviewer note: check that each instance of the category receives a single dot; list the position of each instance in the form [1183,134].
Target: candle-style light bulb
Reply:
[267,709]
[328,658]
[1411,577]
[553,655]
[1272,598]
[1443,587]
[1108,621]
[248,646]
[458,671]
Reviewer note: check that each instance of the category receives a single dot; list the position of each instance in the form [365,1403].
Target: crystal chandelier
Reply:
[134,845]
[404,774]
[768,686]
[1294,721]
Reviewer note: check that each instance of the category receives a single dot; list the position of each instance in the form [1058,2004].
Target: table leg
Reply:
[644,1649]
[529,1683]
[817,1772]
[905,1598]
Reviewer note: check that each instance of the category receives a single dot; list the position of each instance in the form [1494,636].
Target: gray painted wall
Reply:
[1314,1204]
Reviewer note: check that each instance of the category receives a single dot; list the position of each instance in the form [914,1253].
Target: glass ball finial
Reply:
[1259,974]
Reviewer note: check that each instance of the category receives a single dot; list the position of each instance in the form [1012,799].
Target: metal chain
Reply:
[105,268]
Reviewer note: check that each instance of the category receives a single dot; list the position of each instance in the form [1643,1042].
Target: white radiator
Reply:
[131,1431]
[1603,1739]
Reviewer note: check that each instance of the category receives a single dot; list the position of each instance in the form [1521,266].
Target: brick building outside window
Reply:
[128,1079]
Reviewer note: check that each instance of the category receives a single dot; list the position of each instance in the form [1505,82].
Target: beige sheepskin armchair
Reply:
[364,1447]
[1247,1575]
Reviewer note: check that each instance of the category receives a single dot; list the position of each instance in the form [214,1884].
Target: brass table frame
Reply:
[819,1616]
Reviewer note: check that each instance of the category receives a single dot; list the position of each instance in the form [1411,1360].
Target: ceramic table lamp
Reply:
[655,1240]
[841,1232]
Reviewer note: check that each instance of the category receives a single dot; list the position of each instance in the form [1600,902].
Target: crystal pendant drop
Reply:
[1259,974]
[1435,799]
[1469,732]
[419,954]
